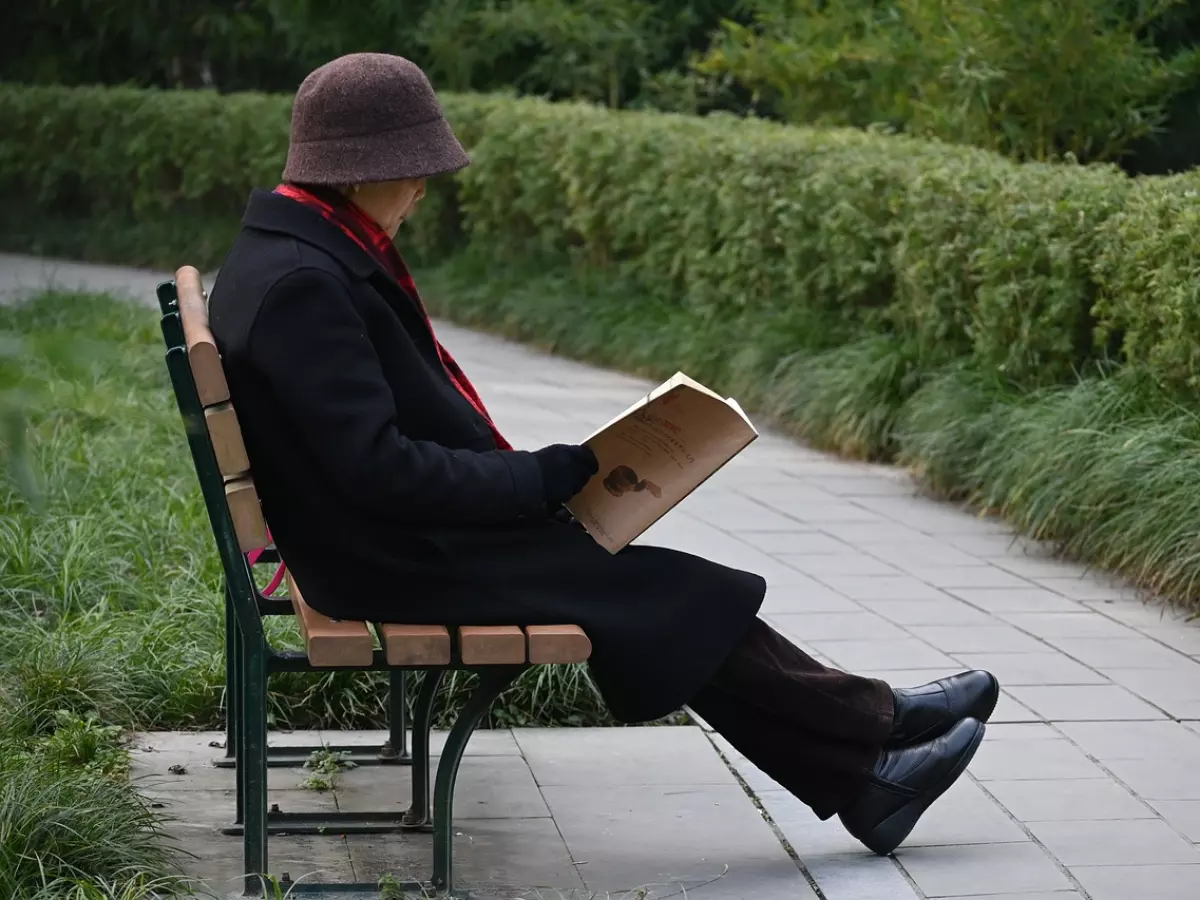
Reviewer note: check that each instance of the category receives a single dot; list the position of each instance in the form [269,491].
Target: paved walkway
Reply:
[1088,784]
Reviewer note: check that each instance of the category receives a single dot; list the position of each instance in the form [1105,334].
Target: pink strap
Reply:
[254,555]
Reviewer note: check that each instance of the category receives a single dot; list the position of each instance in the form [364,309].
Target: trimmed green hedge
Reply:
[856,288]
[957,249]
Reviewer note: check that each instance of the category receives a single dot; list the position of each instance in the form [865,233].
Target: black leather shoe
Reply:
[925,712]
[905,783]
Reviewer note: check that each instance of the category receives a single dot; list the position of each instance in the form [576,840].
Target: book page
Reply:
[653,455]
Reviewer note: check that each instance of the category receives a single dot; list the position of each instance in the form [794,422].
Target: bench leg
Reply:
[394,750]
[252,763]
[492,682]
[419,813]
[396,747]
[232,680]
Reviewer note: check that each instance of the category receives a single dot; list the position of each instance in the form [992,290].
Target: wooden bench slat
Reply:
[246,513]
[491,645]
[330,642]
[415,645]
[226,436]
[203,355]
[558,644]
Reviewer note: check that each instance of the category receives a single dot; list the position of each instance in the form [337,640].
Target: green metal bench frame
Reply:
[251,660]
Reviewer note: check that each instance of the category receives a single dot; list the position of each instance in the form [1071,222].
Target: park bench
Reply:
[496,654]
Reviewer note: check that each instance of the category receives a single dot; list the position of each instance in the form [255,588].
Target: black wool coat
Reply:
[388,499]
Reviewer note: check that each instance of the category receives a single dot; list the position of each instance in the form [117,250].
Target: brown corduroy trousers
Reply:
[817,731]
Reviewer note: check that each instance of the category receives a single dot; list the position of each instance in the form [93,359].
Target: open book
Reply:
[654,454]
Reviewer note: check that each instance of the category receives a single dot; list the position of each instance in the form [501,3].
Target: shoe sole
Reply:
[892,831]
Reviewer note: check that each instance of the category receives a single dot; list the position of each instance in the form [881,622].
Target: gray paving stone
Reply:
[1108,654]
[1036,895]
[906,653]
[809,627]
[1067,800]
[1087,587]
[1043,667]
[626,837]
[1159,779]
[1184,637]
[798,543]
[611,757]
[1082,624]
[859,878]
[1134,740]
[1177,691]
[217,808]
[849,563]
[965,815]
[1182,815]
[1115,843]
[1143,882]
[887,482]
[902,587]
[1032,760]
[1082,703]
[492,858]
[790,496]
[923,553]
[873,534]
[930,516]
[496,787]
[994,546]
[1031,599]
[1142,614]
[214,860]
[958,871]
[975,576]
[1027,731]
[730,511]
[998,638]
[1037,565]
[943,611]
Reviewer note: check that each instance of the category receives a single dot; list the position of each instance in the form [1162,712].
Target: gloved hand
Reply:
[563,516]
[565,470]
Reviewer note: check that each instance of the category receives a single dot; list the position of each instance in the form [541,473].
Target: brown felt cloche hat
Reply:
[369,117]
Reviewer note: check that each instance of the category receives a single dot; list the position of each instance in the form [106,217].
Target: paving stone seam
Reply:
[557,827]
[764,506]
[778,832]
[1116,778]
[1075,883]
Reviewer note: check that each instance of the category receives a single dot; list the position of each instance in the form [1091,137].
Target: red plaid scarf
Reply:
[365,232]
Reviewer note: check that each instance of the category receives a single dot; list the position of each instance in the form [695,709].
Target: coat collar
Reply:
[268,211]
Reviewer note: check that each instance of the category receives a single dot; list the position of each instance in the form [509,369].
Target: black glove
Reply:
[563,516]
[565,470]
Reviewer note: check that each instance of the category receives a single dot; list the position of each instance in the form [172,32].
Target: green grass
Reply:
[1106,469]
[72,826]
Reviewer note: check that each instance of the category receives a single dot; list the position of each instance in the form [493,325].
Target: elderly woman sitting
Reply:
[394,497]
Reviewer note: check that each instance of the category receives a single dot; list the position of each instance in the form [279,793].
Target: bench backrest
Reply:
[214,436]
